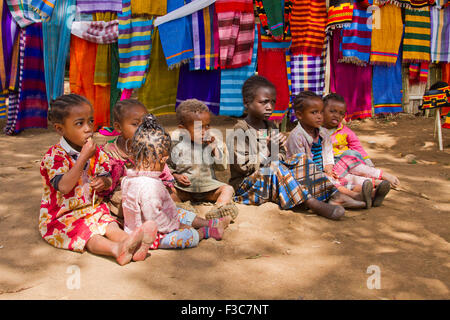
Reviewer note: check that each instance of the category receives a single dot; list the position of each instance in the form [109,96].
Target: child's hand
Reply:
[101,183]
[88,150]
[182,179]
[279,139]
[328,169]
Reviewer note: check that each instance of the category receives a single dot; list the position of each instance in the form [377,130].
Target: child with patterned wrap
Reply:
[144,196]
[73,171]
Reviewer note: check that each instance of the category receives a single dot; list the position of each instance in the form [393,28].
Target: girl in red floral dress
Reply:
[74,170]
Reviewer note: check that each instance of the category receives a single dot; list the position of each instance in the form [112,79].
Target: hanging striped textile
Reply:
[44,8]
[418,72]
[306,73]
[148,8]
[308,21]
[135,40]
[231,82]
[440,32]
[3,106]
[356,38]
[410,4]
[9,49]
[416,41]
[90,6]
[340,13]
[205,36]
[268,41]
[22,12]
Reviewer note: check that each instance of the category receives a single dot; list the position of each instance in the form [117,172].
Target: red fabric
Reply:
[234,5]
[446,78]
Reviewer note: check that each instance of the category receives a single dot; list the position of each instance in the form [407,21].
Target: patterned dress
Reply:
[69,220]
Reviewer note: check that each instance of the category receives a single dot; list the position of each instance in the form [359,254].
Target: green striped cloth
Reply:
[417,39]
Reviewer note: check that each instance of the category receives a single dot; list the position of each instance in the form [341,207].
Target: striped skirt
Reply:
[287,183]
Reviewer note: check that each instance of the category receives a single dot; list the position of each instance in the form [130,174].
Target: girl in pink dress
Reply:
[73,171]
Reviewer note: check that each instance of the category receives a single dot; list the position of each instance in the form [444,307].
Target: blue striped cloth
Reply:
[231,81]
[316,150]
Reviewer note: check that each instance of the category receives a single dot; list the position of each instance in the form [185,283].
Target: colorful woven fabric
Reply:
[351,81]
[148,8]
[340,13]
[135,40]
[416,41]
[56,37]
[271,15]
[200,85]
[387,38]
[82,67]
[418,72]
[410,4]
[236,36]
[102,74]
[101,32]
[32,99]
[3,107]
[205,36]
[44,8]
[159,92]
[272,65]
[115,69]
[268,41]
[387,88]
[231,81]
[306,73]
[89,6]
[440,33]
[9,49]
[22,12]
[356,38]
[308,21]
[234,5]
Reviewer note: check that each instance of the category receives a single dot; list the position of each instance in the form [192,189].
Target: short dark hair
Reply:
[300,99]
[150,142]
[335,97]
[121,106]
[251,85]
[188,108]
[60,107]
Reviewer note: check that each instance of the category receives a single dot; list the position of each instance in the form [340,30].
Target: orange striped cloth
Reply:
[308,21]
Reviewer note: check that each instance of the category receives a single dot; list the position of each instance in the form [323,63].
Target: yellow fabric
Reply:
[148,7]
[102,74]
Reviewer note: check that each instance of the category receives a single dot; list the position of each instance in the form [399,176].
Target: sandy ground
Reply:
[268,253]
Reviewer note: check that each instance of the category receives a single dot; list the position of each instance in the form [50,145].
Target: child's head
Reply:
[128,115]
[259,97]
[308,108]
[72,116]
[150,146]
[334,108]
[190,111]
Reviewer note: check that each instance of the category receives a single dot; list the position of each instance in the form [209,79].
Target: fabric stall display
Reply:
[418,72]
[205,34]
[82,68]
[386,39]
[236,22]
[409,4]
[356,38]
[306,73]
[440,32]
[282,23]
[56,39]
[159,92]
[9,50]
[44,8]
[231,82]
[416,41]
[176,37]
[135,44]
[340,13]
[308,21]
[148,8]
[387,88]
[22,12]
[97,31]
[201,85]
[351,81]
[13,98]
[272,65]
[102,74]
[33,105]
[91,6]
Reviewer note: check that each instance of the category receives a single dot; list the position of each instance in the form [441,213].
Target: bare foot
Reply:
[327,210]
[129,246]
[346,201]
[392,179]
[150,230]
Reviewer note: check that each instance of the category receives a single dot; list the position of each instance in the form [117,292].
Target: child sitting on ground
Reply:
[146,198]
[71,217]
[259,173]
[352,163]
[196,155]
[128,115]
[309,137]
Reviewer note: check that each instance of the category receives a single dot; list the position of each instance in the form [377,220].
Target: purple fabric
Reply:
[201,85]
[88,6]
[9,32]
[353,82]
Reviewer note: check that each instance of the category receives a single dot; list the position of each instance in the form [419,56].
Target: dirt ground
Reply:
[268,253]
